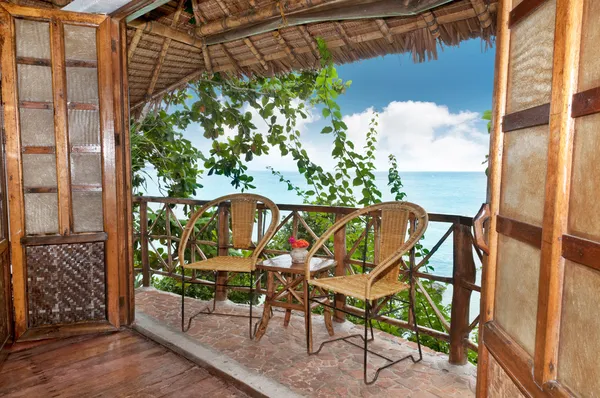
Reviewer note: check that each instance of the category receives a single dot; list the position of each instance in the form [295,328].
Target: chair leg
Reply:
[367,322]
[307,318]
[251,302]
[412,308]
[182,300]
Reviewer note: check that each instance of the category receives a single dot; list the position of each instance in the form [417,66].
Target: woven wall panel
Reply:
[578,365]
[500,384]
[33,39]
[80,43]
[584,206]
[517,283]
[530,68]
[66,283]
[589,71]
[82,85]
[524,174]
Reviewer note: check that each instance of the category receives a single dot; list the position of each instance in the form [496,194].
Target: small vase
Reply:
[299,255]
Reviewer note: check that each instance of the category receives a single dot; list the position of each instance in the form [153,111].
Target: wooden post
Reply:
[223,242]
[144,243]
[339,252]
[463,271]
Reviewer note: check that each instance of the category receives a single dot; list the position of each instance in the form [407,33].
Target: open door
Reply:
[541,293]
[5,287]
[64,124]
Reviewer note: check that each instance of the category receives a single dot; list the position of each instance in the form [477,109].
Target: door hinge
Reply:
[117,139]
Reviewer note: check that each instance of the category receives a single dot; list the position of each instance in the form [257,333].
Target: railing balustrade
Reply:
[150,239]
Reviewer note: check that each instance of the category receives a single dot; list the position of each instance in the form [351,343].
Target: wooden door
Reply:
[64,124]
[541,328]
[5,286]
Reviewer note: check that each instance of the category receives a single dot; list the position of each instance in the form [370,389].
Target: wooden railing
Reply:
[162,241]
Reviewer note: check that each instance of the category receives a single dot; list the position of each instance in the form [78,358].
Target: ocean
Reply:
[460,193]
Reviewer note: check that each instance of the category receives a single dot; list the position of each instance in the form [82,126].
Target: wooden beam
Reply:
[198,16]
[149,6]
[286,48]
[385,30]
[59,89]
[207,62]
[536,116]
[567,38]
[311,43]
[164,50]
[223,7]
[255,15]
[586,102]
[158,29]
[232,60]
[135,40]
[431,23]
[347,42]
[257,55]
[523,232]
[482,12]
[581,251]
[489,269]
[522,10]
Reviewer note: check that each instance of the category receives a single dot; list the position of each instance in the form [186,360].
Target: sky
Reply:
[429,113]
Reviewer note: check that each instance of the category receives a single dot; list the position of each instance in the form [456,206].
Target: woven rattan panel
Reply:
[66,283]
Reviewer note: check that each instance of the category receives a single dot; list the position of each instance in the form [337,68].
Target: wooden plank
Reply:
[40,190]
[82,107]
[463,271]
[488,274]
[135,40]
[13,169]
[123,169]
[586,102]
[47,62]
[62,331]
[567,46]
[59,240]
[524,9]
[59,90]
[146,277]
[536,116]
[339,250]
[38,150]
[523,232]
[581,251]
[106,48]
[127,186]
[86,149]
[46,14]
[517,364]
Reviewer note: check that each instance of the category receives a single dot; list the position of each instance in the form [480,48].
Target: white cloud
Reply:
[423,136]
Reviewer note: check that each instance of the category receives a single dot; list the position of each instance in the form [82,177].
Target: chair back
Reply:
[400,225]
[243,212]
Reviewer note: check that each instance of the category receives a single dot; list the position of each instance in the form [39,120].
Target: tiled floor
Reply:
[335,372]
[122,364]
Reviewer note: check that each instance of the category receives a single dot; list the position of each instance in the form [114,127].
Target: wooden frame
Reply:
[115,160]
[535,375]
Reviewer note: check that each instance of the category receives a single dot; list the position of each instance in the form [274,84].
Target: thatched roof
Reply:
[183,39]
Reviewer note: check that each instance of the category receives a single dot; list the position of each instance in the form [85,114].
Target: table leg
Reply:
[264,322]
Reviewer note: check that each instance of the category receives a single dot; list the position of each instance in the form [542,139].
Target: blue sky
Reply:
[429,113]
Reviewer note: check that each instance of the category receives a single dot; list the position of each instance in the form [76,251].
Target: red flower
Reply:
[298,243]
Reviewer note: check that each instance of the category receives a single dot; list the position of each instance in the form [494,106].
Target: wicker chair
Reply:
[378,287]
[243,210]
